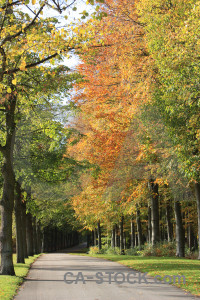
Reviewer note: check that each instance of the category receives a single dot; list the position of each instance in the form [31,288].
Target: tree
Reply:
[171,33]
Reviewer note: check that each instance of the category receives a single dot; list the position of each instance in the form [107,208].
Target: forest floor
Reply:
[162,266]
[10,284]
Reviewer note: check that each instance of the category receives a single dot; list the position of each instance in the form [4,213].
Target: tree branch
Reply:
[3,62]
[10,4]
[10,37]
[32,64]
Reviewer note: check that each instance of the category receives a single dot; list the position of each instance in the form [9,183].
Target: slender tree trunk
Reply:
[39,235]
[34,235]
[116,236]
[149,225]
[169,223]
[88,240]
[19,225]
[95,237]
[139,228]
[99,235]
[180,239]
[122,235]
[197,193]
[29,235]
[113,238]
[23,205]
[92,237]
[136,239]
[154,212]
[132,234]
[190,237]
[124,240]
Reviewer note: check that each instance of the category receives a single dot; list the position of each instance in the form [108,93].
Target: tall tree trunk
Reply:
[88,240]
[29,235]
[35,246]
[122,235]
[132,234]
[154,212]
[124,240]
[39,234]
[113,238]
[116,236]
[190,237]
[149,225]
[23,205]
[169,222]
[95,237]
[139,228]
[197,193]
[99,235]
[136,239]
[7,200]
[92,237]
[180,239]
[19,225]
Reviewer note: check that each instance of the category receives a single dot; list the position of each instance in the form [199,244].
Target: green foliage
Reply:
[172,37]
[134,251]
[111,251]
[160,249]
[94,250]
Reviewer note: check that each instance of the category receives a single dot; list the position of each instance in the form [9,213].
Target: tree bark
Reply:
[180,239]
[95,237]
[149,225]
[19,225]
[39,234]
[99,235]
[139,228]
[132,234]
[29,235]
[7,200]
[190,237]
[122,235]
[197,193]
[113,238]
[116,236]
[35,245]
[169,223]
[23,205]
[154,212]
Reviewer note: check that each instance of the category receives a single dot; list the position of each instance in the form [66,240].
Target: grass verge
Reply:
[10,284]
[161,266]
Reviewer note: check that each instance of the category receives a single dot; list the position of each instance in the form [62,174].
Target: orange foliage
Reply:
[115,85]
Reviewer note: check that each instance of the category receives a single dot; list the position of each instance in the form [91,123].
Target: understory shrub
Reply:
[160,249]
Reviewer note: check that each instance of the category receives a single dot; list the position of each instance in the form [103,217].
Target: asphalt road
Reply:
[45,281]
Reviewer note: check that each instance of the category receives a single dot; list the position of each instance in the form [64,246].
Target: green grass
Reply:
[162,266]
[9,284]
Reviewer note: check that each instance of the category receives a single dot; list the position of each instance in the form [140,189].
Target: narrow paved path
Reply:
[45,281]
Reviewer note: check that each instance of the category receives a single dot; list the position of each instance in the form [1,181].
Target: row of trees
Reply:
[138,109]
[37,175]
[135,127]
